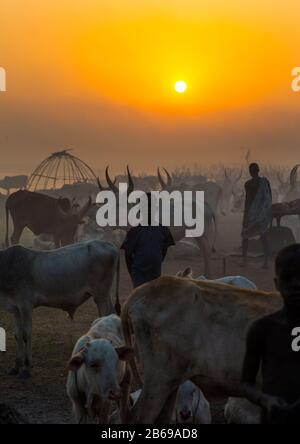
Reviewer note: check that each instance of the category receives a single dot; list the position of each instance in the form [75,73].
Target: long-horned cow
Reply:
[186,329]
[209,218]
[63,278]
[289,190]
[43,214]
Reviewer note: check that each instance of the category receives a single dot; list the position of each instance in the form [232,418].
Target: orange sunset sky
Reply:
[98,76]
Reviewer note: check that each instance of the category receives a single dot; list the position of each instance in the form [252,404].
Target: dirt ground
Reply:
[43,398]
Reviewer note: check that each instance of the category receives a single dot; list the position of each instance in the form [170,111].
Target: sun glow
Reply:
[180,86]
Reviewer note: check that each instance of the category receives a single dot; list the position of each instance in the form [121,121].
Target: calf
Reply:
[98,374]
[191,406]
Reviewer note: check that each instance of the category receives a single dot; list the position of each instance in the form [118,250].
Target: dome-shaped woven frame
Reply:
[59,169]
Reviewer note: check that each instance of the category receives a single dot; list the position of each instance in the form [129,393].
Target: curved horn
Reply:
[293,175]
[130,181]
[111,183]
[161,181]
[169,178]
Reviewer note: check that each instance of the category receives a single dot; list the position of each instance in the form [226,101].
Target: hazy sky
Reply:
[98,76]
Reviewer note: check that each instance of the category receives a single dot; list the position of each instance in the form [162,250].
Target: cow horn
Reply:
[82,212]
[169,182]
[293,175]
[161,181]
[130,181]
[111,183]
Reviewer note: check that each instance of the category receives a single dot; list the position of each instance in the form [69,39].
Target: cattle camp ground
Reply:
[43,399]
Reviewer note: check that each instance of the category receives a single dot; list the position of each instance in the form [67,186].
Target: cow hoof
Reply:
[13,372]
[25,374]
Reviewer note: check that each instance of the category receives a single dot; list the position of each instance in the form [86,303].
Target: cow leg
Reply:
[20,343]
[155,394]
[27,338]
[102,298]
[124,403]
[79,413]
[15,237]
[166,414]
[203,244]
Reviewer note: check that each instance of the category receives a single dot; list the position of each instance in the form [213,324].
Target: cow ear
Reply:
[76,362]
[124,352]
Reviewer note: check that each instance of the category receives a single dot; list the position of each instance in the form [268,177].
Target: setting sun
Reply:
[180,86]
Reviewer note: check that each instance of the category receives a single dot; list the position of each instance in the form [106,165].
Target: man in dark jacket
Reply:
[145,250]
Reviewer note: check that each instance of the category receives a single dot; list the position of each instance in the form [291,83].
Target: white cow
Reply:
[191,406]
[187,329]
[237,281]
[98,373]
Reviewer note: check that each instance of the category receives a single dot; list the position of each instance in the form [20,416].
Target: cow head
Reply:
[112,183]
[70,221]
[186,400]
[100,361]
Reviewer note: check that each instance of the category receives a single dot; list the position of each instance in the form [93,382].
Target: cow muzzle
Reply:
[185,415]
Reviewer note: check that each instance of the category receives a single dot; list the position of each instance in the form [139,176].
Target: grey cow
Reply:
[64,278]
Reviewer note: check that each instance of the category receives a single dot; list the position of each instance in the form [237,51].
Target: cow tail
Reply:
[117,299]
[127,329]
[7,225]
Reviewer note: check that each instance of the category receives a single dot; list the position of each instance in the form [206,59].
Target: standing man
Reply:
[145,249]
[258,212]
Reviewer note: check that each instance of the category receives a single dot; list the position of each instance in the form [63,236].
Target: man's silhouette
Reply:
[145,249]
[257,213]
[269,348]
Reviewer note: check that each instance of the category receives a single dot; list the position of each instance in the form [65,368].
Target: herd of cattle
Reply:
[138,342]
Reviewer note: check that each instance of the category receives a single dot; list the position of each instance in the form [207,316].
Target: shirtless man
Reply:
[269,347]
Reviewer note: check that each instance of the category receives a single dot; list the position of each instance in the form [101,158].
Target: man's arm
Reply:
[251,365]
[252,361]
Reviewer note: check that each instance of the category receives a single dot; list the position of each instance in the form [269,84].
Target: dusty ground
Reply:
[43,398]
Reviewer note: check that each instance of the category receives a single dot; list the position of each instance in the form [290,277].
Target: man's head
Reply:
[253,169]
[287,280]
